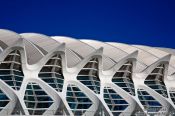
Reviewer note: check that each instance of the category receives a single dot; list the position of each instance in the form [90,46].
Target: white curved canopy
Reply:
[110,51]
[38,45]
[43,42]
[8,38]
[79,47]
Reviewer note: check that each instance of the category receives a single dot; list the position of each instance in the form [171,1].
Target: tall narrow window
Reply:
[36,100]
[4,100]
[52,74]
[89,75]
[155,80]
[149,103]
[11,70]
[123,78]
[114,101]
[77,100]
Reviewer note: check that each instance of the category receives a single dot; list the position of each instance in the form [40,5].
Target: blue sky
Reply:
[146,22]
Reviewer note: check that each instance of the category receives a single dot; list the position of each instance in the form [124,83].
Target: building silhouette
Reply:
[41,75]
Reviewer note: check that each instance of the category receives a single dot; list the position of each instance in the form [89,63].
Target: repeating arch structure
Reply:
[42,75]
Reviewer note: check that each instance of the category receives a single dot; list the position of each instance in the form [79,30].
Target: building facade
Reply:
[41,75]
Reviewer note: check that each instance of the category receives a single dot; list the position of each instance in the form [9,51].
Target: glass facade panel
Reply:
[155,80]
[150,104]
[36,100]
[114,101]
[89,75]
[4,100]
[52,74]
[172,95]
[77,100]
[11,70]
[123,78]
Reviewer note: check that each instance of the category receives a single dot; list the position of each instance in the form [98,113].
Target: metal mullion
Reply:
[123,71]
[35,96]
[162,85]
[16,70]
[91,78]
[120,104]
[55,58]
[18,75]
[90,68]
[52,66]
[11,62]
[88,75]
[128,86]
[13,54]
[40,95]
[158,84]
[11,72]
[127,64]
[28,98]
[94,61]
[4,100]
[94,85]
[53,75]
[82,102]
[77,97]
[111,99]
[149,100]
[156,74]
[74,96]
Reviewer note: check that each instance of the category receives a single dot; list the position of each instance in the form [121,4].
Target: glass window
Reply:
[89,75]
[37,99]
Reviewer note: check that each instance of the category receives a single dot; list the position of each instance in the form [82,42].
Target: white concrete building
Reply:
[41,75]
